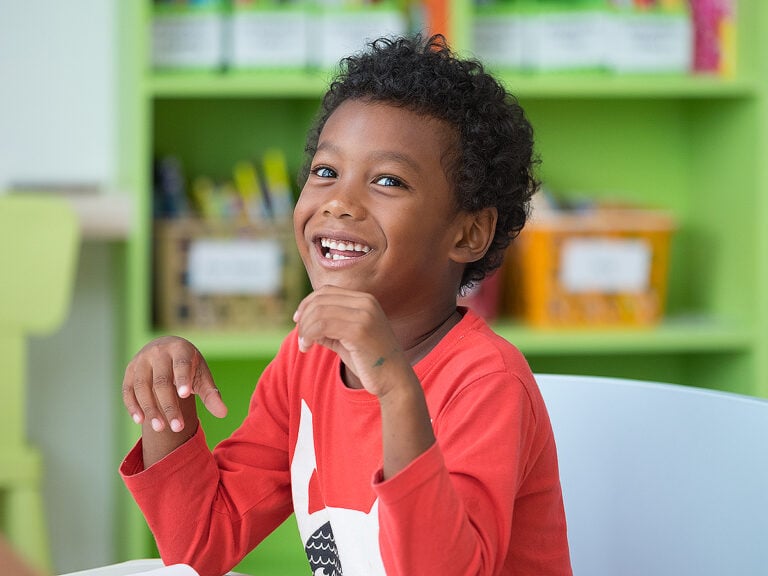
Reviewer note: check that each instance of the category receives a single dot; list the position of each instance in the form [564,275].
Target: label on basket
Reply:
[239,266]
[605,265]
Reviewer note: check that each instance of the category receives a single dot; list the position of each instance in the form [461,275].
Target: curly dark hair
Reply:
[493,165]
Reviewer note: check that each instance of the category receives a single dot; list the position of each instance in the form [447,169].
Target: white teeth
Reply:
[343,246]
[330,256]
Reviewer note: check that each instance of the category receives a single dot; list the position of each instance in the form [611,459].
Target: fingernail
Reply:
[183,391]
[137,418]
[156,425]
[296,316]
[302,344]
[176,425]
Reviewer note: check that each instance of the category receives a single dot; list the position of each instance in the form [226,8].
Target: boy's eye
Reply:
[324,172]
[388,181]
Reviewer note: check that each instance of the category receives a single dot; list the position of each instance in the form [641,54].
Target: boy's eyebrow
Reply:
[397,157]
[327,146]
[381,155]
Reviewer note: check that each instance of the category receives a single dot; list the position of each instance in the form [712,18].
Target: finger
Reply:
[323,302]
[310,299]
[183,366]
[213,402]
[304,344]
[145,374]
[327,328]
[167,398]
[333,315]
[204,386]
[129,398]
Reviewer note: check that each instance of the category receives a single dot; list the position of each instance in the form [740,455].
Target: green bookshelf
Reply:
[694,145]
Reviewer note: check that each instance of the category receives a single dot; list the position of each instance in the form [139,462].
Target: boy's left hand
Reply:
[353,325]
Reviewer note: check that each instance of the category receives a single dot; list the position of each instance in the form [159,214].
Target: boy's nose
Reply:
[344,204]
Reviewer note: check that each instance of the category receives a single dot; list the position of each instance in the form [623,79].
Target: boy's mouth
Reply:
[333,249]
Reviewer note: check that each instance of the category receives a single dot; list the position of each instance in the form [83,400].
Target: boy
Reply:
[406,436]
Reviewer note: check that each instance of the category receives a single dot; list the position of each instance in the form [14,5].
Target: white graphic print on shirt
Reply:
[335,539]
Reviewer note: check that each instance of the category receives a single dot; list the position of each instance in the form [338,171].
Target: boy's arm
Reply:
[209,509]
[489,493]
[405,425]
[156,445]
[353,325]
[158,391]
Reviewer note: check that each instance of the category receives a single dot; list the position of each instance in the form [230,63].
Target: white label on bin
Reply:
[235,266]
[605,265]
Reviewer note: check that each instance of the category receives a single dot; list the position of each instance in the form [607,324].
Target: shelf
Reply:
[312,84]
[283,84]
[626,86]
[103,215]
[693,144]
[674,336]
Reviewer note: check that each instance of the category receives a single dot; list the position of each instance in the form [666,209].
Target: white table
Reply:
[136,567]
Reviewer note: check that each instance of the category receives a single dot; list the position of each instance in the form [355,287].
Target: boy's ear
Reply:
[475,235]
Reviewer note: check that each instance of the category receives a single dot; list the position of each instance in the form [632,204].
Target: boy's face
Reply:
[377,214]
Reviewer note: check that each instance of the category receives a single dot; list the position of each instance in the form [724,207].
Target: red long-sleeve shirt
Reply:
[485,499]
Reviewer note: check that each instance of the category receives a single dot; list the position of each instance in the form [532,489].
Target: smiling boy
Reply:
[406,436]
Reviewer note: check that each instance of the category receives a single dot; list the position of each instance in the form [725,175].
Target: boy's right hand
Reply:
[160,382]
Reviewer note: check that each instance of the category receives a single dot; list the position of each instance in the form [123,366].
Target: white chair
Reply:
[660,479]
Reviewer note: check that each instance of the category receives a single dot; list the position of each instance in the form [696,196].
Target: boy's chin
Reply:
[338,283]
[352,283]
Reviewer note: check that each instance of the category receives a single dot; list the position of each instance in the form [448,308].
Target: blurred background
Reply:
[58,110]
[175,131]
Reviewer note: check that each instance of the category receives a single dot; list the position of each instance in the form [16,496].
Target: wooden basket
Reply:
[220,276]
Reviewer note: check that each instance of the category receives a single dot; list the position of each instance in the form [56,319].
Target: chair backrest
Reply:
[39,240]
[660,479]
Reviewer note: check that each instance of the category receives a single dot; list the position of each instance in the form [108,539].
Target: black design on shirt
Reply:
[322,553]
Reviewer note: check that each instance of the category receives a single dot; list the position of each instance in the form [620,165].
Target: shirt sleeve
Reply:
[452,511]
[209,509]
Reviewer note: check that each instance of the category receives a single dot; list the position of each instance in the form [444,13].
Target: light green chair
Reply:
[39,239]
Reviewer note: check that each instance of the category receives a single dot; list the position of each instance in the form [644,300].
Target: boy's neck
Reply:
[417,346]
